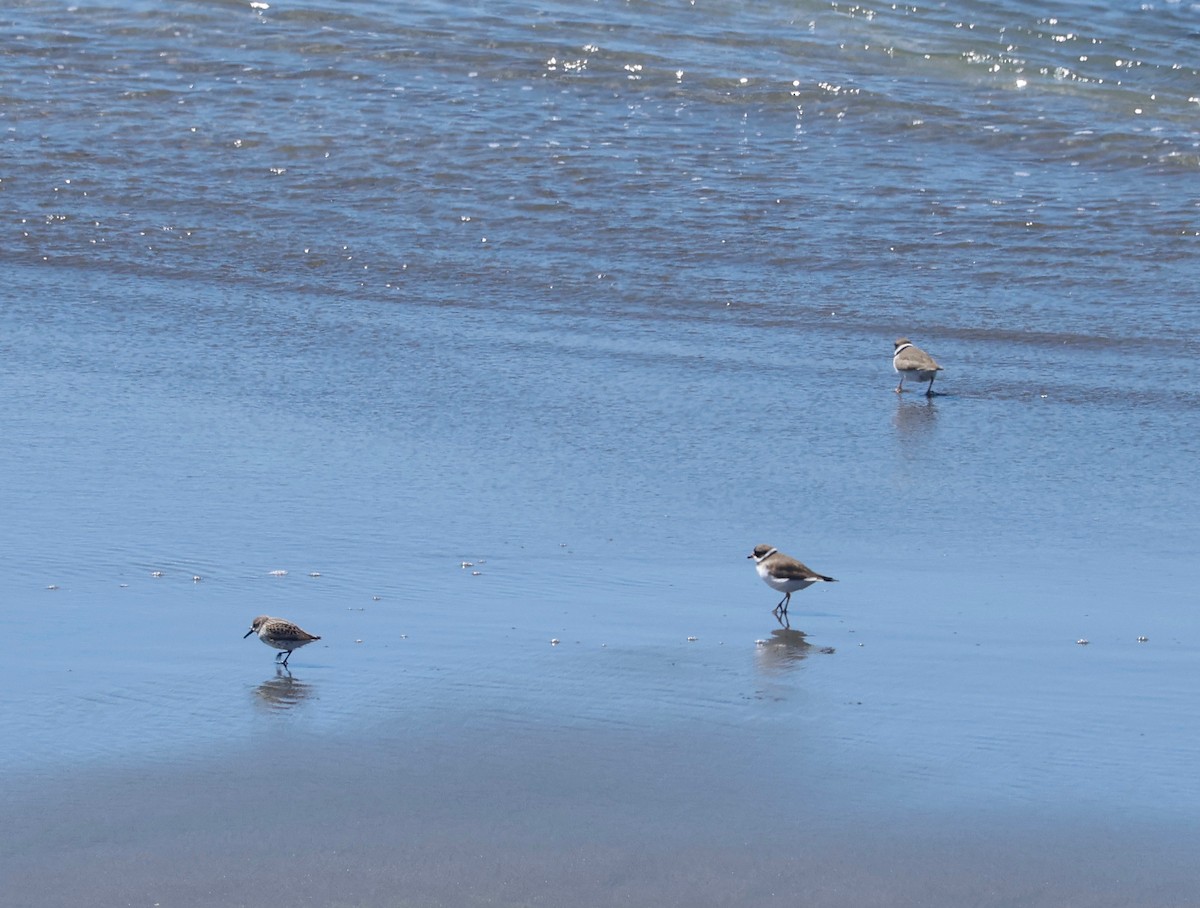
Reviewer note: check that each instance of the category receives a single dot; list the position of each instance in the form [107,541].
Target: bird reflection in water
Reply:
[785,649]
[915,417]
[283,691]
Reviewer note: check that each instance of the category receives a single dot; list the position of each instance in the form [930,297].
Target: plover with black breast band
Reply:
[784,574]
[913,362]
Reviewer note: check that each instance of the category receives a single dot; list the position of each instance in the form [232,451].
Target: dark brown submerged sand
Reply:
[554,817]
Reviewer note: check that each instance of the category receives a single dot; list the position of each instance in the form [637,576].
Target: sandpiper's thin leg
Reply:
[285,658]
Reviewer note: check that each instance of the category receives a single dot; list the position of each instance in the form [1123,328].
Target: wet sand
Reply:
[408,762]
[557,816]
[938,739]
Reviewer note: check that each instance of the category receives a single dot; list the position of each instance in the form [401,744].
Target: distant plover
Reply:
[783,573]
[913,362]
[280,634]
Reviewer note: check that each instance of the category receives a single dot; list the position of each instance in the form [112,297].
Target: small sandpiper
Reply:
[913,362]
[783,573]
[280,634]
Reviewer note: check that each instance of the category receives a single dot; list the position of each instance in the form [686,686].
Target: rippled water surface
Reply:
[486,341]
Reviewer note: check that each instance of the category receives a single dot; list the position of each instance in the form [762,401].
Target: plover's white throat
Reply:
[280,634]
[783,573]
[913,362]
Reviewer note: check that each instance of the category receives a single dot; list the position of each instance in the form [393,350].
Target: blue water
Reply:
[595,298]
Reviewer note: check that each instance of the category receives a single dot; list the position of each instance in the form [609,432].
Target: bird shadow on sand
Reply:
[283,691]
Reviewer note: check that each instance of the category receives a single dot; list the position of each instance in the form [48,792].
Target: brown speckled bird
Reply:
[280,634]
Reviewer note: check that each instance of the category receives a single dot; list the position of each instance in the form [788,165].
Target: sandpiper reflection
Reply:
[283,691]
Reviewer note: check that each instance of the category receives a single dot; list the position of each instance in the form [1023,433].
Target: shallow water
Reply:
[369,293]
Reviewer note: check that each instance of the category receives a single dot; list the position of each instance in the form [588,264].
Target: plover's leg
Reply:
[929,390]
[900,387]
